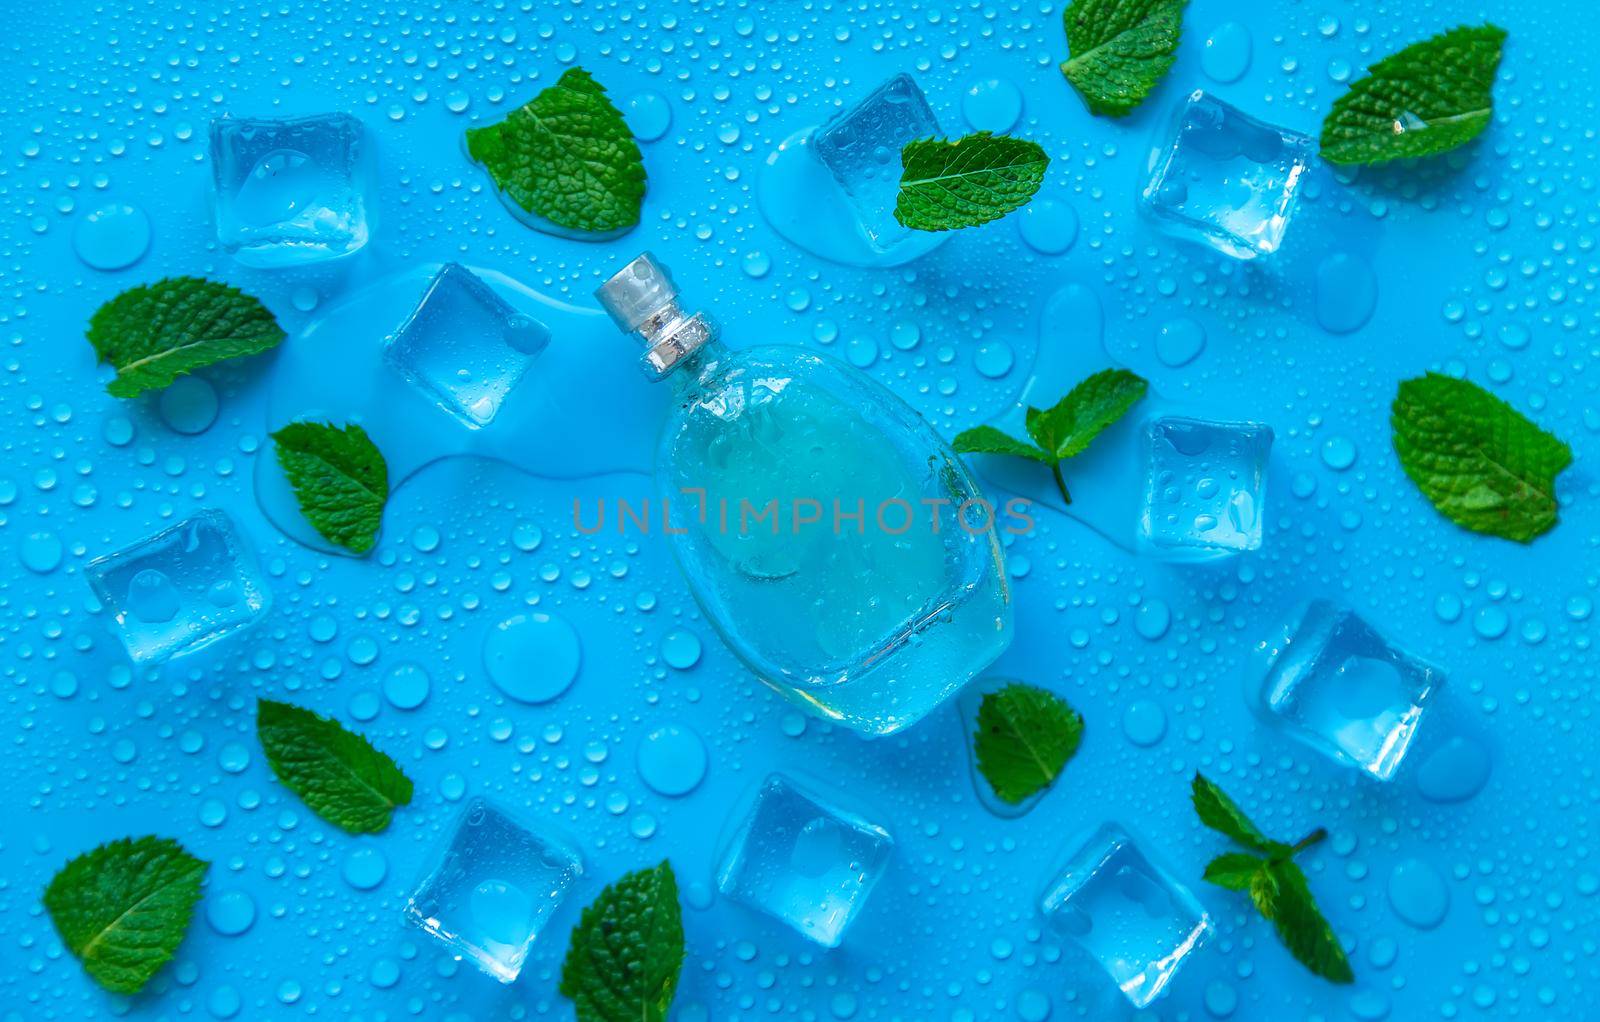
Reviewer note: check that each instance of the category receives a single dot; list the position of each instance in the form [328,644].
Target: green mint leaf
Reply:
[1236,870]
[627,950]
[1219,812]
[945,186]
[1477,459]
[1302,927]
[336,772]
[158,332]
[1025,736]
[123,908]
[1120,50]
[988,440]
[1430,97]
[1095,403]
[1264,893]
[566,156]
[339,478]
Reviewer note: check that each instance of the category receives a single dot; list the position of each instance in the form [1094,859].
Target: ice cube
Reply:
[1204,486]
[1219,176]
[181,589]
[803,860]
[861,148]
[1335,684]
[1126,912]
[492,888]
[291,190]
[464,346]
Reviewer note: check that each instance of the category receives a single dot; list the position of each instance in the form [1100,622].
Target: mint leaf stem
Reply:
[1315,837]
[1061,484]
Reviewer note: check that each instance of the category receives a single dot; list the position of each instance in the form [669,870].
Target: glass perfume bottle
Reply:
[829,534]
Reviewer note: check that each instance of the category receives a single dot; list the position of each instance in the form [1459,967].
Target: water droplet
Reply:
[1347,293]
[189,405]
[993,104]
[1180,341]
[1418,894]
[1048,226]
[113,237]
[681,649]
[365,868]
[230,913]
[406,686]
[1226,56]
[672,760]
[532,658]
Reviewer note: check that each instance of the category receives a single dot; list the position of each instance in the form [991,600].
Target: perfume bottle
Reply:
[831,537]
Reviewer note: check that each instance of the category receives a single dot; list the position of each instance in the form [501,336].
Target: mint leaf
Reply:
[1477,459]
[336,772]
[988,440]
[1219,812]
[1236,870]
[339,478]
[158,332]
[1065,430]
[123,908]
[1025,736]
[1430,97]
[566,156]
[945,186]
[1302,927]
[1120,50]
[626,952]
[1091,406]
[1277,887]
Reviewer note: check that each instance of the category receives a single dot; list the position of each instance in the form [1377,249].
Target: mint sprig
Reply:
[627,950]
[158,332]
[1277,887]
[340,480]
[1428,98]
[1120,50]
[1025,737]
[1065,430]
[945,186]
[1478,460]
[123,908]
[566,156]
[338,773]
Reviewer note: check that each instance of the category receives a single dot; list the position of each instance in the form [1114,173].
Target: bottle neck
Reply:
[691,372]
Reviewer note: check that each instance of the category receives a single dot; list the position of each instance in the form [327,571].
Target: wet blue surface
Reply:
[1467,887]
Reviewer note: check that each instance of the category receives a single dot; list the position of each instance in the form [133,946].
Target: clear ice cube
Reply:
[803,860]
[1220,176]
[1335,684]
[1204,486]
[492,888]
[1126,912]
[181,589]
[292,190]
[464,346]
[861,148]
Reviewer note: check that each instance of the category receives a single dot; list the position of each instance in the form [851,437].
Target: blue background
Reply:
[108,103]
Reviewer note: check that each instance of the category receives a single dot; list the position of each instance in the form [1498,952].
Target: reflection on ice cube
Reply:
[1126,912]
[861,147]
[291,191]
[1204,487]
[464,346]
[181,589]
[1221,177]
[803,860]
[492,888]
[1335,684]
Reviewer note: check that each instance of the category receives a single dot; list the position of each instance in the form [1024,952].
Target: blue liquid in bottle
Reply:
[829,534]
